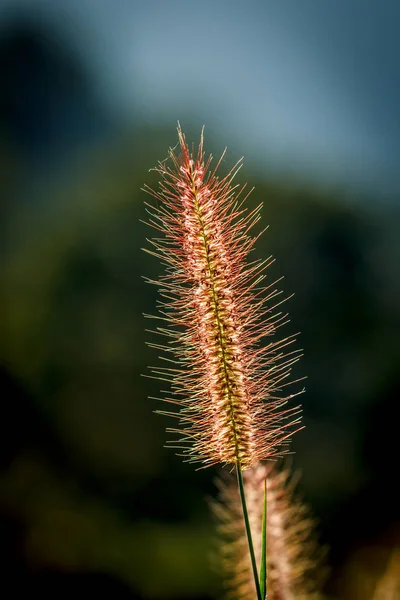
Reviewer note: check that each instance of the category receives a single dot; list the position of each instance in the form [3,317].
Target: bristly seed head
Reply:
[226,384]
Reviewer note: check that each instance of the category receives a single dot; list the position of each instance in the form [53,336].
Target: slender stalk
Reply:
[263,565]
[248,532]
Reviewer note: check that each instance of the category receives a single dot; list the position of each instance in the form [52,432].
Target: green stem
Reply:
[248,532]
[263,565]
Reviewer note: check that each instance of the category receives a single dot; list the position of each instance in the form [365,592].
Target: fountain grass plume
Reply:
[225,367]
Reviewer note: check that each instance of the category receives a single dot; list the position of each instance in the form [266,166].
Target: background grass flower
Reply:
[295,568]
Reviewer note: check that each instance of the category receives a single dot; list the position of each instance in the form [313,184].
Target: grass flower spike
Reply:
[388,587]
[215,317]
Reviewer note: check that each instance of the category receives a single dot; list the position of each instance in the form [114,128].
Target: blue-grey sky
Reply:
[310,85]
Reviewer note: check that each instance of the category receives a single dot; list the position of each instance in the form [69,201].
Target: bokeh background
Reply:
[91,90]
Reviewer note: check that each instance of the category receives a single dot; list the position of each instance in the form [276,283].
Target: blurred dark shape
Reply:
[19,434]
[381,438]
[49,584]
[13,566]
[47,105]
[340,246]
[371,517]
